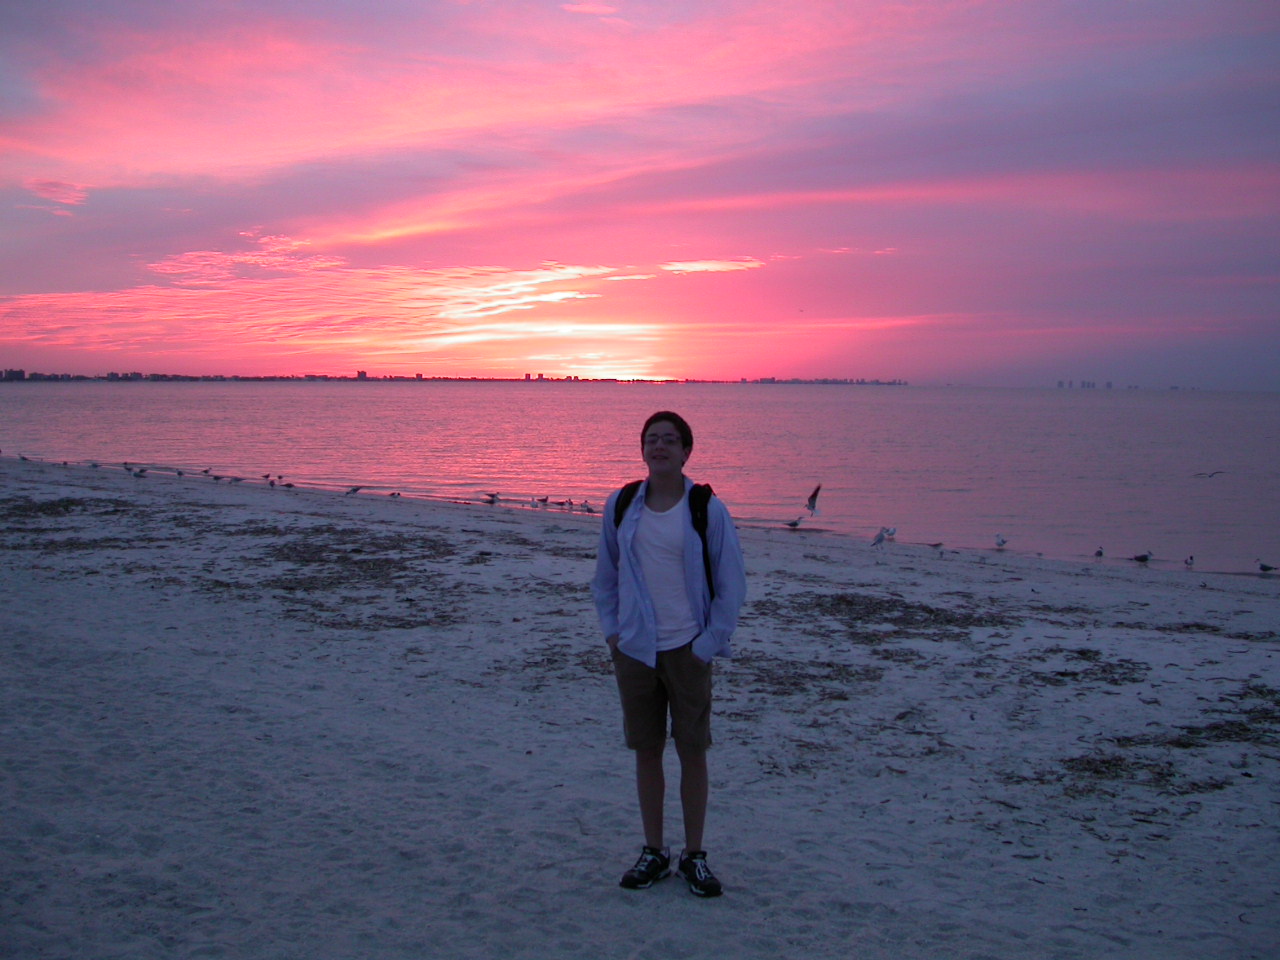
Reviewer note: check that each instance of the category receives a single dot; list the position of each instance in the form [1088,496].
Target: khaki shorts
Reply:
[681,684]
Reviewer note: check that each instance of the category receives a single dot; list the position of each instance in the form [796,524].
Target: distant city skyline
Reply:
[17,374]
[994,194]
[12,374]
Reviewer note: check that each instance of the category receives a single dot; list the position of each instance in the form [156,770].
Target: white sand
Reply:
[251,723]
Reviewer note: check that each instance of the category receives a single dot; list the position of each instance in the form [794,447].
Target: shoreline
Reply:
[376,488]
[245,722]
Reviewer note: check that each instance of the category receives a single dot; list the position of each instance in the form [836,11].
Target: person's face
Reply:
[662,448]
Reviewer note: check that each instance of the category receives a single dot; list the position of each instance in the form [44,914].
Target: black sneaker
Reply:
[653,865]
[702,882]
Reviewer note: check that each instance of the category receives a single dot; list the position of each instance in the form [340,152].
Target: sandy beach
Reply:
[243,722]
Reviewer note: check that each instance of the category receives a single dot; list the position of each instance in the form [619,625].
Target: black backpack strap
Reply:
[625,496]
[699,496]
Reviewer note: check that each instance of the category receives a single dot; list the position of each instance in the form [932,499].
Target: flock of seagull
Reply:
[882,536]
[887,534]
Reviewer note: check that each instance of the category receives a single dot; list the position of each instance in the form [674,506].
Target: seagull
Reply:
[890,532]
[394,493]
[1264,567]
[1207,475]
[490,498]
[1000,541]
[812,503]
[587,507]
[793,524]
[878,539]
[1189,562]
[1098,553]
[287,486]
[542,500]
[353,490]
[1143,557]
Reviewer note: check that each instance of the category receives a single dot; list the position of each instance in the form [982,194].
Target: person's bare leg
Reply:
[694,788]
[651,787]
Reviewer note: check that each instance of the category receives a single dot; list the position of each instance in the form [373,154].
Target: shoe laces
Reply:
[700,869]
[646,859]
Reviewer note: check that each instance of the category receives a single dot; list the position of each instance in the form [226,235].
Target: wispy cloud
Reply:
[591,9]
[68,193]
[713,266]
[423,182]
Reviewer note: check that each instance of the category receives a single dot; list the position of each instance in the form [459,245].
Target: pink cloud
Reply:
[235,97]
[713,266]
[898,168]
[593,9]
[294,308]
[71,194]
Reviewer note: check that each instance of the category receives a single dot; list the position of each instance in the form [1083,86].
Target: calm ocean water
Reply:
[1058,472]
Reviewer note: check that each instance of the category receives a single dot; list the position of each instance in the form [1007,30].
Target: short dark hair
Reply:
[677,421]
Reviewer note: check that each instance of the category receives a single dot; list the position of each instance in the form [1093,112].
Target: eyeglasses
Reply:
[666,439]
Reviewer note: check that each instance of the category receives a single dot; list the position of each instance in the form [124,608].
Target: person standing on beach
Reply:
[668,597]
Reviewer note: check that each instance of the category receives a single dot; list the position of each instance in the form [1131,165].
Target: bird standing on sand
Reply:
[878,539]
[793,524]
[1000,541]
[812,503]
[353,490]
[890,532]
[1143,557]
[1264,567]
[490,498]
[1098,554]
[1190,561]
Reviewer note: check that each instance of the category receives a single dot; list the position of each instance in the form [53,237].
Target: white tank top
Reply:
[659,545]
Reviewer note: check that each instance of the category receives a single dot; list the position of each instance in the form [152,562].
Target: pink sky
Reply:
[980,192]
